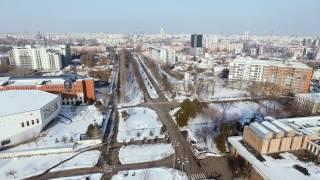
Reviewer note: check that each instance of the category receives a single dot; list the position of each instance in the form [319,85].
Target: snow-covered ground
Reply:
[133,93]
[96,176]
[281,169]
[66,129]
[84,160]
[160,173]
[201,128]
[23,167]
[140,123]
[144,153]
[149,86]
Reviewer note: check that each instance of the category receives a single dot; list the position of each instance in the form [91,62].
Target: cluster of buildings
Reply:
[40,58]
[29,104]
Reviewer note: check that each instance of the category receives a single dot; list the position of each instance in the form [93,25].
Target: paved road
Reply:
[208,166]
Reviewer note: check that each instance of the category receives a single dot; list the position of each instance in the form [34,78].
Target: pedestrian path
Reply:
[197,176]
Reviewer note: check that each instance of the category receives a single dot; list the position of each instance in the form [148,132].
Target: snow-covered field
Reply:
[139,124]
[23,167]
[96,176]
[65,129]
[149,86]
[161,173]
[144,153]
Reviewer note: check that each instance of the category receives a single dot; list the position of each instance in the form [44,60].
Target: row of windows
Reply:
[27,123]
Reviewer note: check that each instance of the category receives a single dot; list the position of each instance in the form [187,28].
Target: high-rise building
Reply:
[292,76]
[196,40]
[35,58]
[196,45]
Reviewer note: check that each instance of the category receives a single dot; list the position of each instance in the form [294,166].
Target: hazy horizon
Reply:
[286,17]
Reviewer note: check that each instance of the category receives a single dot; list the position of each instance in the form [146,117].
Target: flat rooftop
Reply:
[306,125]
[278,63]
[18,101]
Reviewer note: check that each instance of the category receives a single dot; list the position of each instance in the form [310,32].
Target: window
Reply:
[5,142]
[28,123]
[22,124]
[32,122]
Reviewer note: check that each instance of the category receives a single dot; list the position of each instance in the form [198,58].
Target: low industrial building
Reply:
[260,141]
[24,114]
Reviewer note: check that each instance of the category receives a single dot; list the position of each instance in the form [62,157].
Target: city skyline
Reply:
[268,17]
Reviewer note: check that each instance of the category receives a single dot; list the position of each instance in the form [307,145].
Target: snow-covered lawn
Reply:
[139,124]
[144,153]
[96,176]
[84,160]
[23,167]
[149,86]
[65,129]
[161,173]
[217,92]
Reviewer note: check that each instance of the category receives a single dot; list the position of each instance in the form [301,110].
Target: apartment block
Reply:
[289,75]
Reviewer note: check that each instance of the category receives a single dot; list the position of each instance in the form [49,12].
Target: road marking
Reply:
[197,176]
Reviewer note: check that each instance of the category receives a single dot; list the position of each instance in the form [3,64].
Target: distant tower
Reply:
[162,33]
[246,36]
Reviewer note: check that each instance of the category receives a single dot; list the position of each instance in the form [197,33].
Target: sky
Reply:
[279,17]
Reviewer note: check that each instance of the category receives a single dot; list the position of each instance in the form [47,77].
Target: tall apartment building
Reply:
[163,55]
[72,90]
[196,45]
[35,58]
[292,76]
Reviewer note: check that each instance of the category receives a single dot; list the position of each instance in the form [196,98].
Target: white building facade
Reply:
[35,58]
[24,114]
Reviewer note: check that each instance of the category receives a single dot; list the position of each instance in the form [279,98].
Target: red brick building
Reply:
[71,90]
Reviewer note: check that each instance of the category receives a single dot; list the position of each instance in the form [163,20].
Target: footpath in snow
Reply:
[161,173]
[144,153]
[23,167]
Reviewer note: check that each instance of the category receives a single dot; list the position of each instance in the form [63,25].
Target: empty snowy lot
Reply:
[161,173]
[144,153]
[20,168]
[138,123]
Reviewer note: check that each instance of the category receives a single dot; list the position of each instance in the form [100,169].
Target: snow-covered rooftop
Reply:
[18,101]
[283,126]
[260,130]
[272,127]
[249,60]
[307,125]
